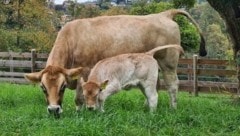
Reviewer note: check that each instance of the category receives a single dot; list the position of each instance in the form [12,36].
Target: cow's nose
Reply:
[56,109]
[92,107]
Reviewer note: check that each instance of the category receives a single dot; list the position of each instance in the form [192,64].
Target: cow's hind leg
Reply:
[171,81]
[168,61]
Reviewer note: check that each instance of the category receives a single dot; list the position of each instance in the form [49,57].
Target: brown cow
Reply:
[112,74]
[84,42]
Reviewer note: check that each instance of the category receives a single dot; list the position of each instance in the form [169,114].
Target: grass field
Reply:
[23,112]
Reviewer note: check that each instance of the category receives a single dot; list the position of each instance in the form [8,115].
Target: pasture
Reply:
[23,112]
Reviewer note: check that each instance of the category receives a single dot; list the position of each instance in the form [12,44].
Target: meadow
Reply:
[23,112]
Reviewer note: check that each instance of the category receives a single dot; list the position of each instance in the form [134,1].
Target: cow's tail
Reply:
[153,51]
[173,12]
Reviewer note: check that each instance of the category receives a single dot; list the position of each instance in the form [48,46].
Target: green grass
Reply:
[23,112]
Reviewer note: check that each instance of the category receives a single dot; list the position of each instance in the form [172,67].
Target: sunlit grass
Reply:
[23,112]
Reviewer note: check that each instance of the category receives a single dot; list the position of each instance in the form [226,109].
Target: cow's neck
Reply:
[59,56]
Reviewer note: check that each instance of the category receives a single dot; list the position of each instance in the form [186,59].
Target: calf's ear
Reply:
[104,84]
[82,81]
[74,73]
[34,77]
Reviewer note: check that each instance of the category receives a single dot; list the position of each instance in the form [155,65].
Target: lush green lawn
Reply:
[23,112]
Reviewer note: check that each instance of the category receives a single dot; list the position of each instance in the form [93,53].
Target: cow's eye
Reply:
[43,88]
[63,86]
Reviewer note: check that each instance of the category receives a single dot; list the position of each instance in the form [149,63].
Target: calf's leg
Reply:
[110,89]
[152,97]
[148,88]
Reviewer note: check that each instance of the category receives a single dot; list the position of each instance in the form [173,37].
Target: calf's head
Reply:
[91,92]
[53,81]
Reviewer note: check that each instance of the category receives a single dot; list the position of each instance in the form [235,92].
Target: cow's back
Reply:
[90,40]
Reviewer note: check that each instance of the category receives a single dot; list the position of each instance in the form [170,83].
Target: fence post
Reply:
[195,78]
[33,60]
[11,61]
[237,60]
[190,78]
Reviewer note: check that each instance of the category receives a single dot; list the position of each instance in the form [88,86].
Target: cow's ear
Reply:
[34,77]
[74,73]
[103,84]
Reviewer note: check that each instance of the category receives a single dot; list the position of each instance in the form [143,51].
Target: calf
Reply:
[110,75]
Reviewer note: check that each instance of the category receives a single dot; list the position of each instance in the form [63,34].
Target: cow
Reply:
[112,74]
[83,42]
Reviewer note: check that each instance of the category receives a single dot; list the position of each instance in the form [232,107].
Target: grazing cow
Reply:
[83,42]
[110,75]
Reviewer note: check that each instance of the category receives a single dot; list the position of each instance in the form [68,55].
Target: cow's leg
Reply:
[79,98]
[168,62]
[171,81]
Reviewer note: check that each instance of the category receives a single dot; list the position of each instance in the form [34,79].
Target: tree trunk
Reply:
[229,10]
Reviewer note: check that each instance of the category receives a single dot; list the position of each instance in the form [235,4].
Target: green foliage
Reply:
[218,44]
[184,3]
[23,112]
[31,24]
[35,25]
[214,30]
[115,11]
[205,15]
[7,39]
[190,39]
[85,11]
[143,8]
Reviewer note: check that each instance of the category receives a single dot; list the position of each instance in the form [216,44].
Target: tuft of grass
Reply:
[23,112]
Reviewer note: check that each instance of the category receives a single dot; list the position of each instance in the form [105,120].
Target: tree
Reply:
[184,3]
[83,10]
[217,43]
[26,24]
[214,31]
[230,12]
[115,10]
[205,15]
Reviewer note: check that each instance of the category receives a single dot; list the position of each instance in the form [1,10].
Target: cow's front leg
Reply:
[79,98]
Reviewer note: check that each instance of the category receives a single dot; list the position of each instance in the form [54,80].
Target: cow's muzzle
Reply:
[92,107]
[54,109]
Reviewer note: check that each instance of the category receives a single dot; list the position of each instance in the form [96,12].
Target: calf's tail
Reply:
[173,12]
[153,51]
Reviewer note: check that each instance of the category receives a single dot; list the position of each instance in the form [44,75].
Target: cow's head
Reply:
[91,92]
[53,81]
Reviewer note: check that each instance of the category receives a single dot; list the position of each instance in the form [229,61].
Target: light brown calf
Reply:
[110,75]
